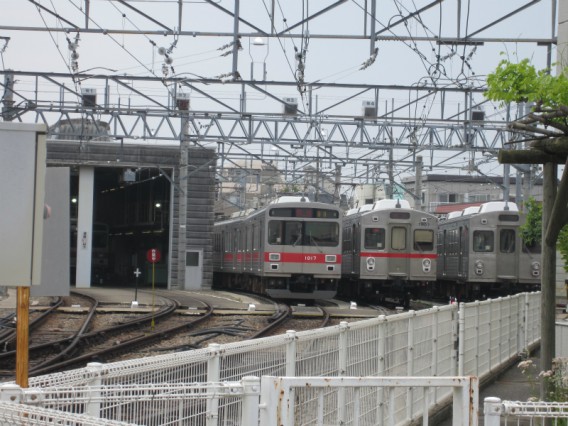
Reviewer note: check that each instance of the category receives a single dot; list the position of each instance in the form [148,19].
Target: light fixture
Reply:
[158,205]
[258,41]
[74,200]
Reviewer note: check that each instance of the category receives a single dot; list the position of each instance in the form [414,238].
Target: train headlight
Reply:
[370,263]
[426,265]
[535,266]
[478,267]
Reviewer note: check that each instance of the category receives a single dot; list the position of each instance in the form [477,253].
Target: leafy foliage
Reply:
[531,231]
[521,82]
[562,246]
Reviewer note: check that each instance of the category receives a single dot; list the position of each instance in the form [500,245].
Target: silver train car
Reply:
[389,252]
[481,253]
[290,249]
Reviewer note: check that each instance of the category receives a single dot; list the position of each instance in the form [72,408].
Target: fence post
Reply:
[461,338]
[410,362]
[476,340]
[251,394]
[11,392]
[275,402]
[435,341]
[291,353]
[342,369]
[93,405]
[500,331]
[525,343]
[492,409]
[381,356]
[466,403]
[213,376]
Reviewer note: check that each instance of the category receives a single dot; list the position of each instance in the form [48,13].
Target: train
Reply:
[389,252]
[289,249]
[381,252]
[481,253]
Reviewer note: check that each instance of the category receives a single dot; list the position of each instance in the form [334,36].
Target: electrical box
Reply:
[290,106]
[477,116]
[22,192]
[182,101]
[89,97]
[369,109]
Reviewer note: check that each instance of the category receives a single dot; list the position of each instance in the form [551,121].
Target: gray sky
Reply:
[333,59]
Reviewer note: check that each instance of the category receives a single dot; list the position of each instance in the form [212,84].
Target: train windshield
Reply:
[375,238]
[423,240]
[483,241]
[296,233]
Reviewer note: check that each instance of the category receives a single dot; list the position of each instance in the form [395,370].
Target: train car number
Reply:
[310,258]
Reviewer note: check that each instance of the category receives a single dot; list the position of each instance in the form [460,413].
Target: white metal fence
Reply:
[472,339]
[524,412]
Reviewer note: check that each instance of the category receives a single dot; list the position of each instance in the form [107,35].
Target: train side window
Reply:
[398,238]
[507,241]
[375,238]
[275,232]
[483,241]
[423,240]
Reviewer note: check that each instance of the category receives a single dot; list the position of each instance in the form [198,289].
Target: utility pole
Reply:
[337,184]
[182,189]
[418,189]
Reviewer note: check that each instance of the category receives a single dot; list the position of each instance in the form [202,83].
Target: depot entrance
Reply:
[131,214]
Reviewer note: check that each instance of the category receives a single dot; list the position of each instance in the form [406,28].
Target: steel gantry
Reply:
[243,117]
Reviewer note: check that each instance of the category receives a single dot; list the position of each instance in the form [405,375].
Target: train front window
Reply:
[483,241]
[507,241]
[375,238]
[398,238]
[423,240]
[275,232]
[296,233]
[321,234]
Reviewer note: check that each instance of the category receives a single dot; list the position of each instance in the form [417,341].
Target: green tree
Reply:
[531,231]
[522,82]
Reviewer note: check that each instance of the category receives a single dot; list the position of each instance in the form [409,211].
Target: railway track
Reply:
[172,327]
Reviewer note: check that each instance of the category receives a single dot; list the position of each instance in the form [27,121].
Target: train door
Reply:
[461,249]
[399,260]
[507,266]
[355,249]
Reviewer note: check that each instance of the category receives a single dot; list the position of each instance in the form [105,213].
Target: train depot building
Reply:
[127,199]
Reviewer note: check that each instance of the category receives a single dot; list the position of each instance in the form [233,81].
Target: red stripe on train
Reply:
[400,255]
[301,257]
[229,257]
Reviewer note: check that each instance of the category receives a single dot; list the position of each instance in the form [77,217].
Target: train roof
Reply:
[497,206]
[291,199]
[452,215]
[380,205]
[491,206]
[391,204]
